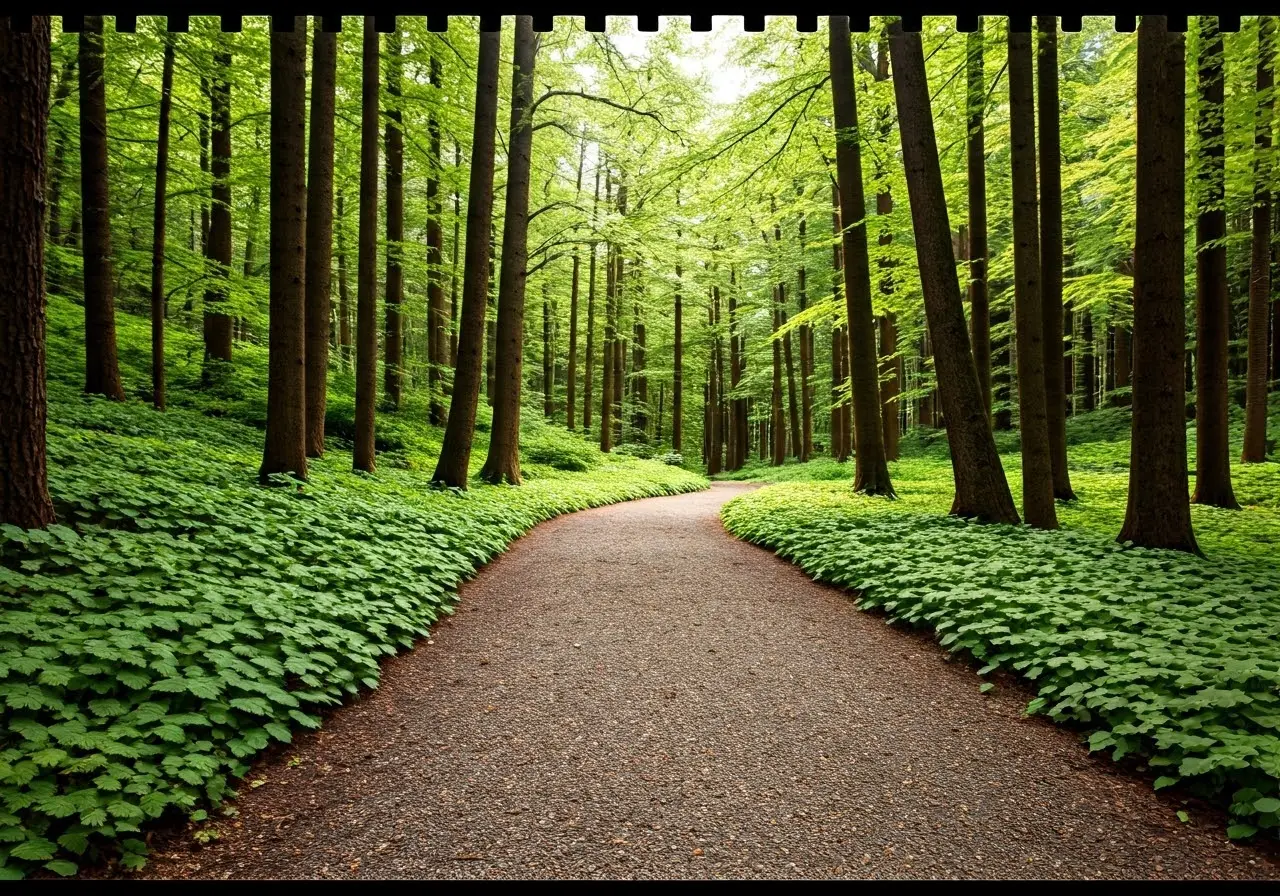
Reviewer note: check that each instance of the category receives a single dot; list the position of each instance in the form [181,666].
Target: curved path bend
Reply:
[632,692]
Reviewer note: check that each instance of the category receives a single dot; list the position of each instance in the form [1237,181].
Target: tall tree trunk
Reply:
[324,62]
[503,462]
[1088,377]
[889,365]
[548,358]
[1255,409]
[806,361]
[158,228]
[872,472]
[1159,513]
[737,440]
[453,278]
[677,370]
[839,433]
[367,254]
[286,444]
[491,318]
[571,371]
[640,381]
[24,124]
[102,369]
[619,341]
[54,272]
[793,405]
[1213,304]
[982,492]
[779,455]
[393,338]
[438,355]
[715,443]
[1051,251]
[455,452]
[610,334]
[1033,419]
[979,307]
[588,369]
[344,301]
[217,322]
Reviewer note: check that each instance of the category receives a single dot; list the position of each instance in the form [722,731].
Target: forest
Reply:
[307,320]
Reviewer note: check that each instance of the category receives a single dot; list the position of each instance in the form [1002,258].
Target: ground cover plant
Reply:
[1156,653]
[179,617]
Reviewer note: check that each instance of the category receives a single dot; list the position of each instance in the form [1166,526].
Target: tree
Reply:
[393,339]
[871,474]
[588,369]
[437,337]
[319,250]
[1037,463]
[1255,410]
[455,452]
[217,323]
[102,369]
[979,309]
[571,381]
[1051,252]
[982,492]
[286,444]
[677,368]
[503,462]
[1158,514]
[25,70]
[367,255]
[1213,304]
[159,218]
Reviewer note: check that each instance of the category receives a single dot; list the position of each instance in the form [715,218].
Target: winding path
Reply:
[631,692]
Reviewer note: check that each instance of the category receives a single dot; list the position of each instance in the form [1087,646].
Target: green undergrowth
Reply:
[1156,653]
[180,617]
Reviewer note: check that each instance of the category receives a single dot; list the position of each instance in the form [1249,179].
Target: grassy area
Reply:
[180,617]
[1156,653]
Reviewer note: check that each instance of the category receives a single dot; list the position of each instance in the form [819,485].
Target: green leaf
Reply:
[1165,781]
[1267,804]
[1183,816]
[62,867]
[1241,831]
[37,849]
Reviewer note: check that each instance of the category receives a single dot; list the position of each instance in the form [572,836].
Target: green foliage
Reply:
[180,618]
[1156,653]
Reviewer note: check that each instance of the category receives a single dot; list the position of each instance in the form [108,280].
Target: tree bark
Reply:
[979,307]
[982,492]
[1051,251]
[503,462]
[367,254]
[610,333]
[571,369]
[217,322]
[619,341]
[1033,420]
[1159,513]
[806,361]
[102,369]
[588,368]
[24,123]
[1213,304]
[158,220]
[344,301]
[286,444]
[677,371]
[715,451]
[393,338]
[1255,409]
[839,432]
[438,354]
[548,358]
[737,415]
[455,453]
[871,474]
[324,61]
[779,455]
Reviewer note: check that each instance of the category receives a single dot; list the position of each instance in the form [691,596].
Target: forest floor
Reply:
[632,692]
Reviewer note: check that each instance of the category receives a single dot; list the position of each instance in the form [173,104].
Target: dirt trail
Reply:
[631,692]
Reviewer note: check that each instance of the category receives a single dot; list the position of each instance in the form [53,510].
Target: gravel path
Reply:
[631,692]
